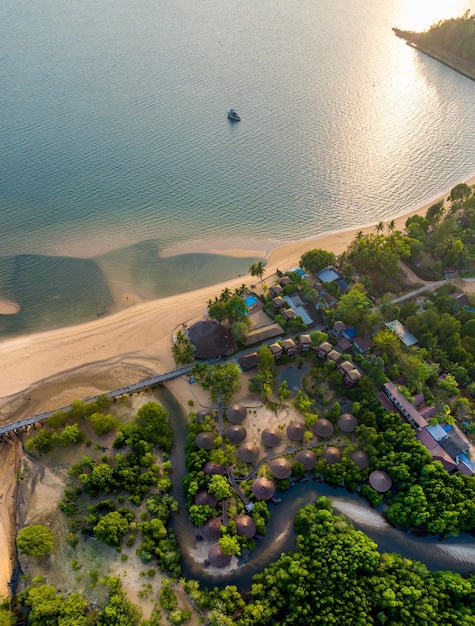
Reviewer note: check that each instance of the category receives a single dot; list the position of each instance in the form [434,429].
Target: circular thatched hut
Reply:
[347,423]
[236,433]
[295,431]
[280,468]
[360,458]
[249,452]
[211,339]
[217,558]
[203,497]
[236,413]
[331,455]
[323,428]
[205,440]
[211,468]
[211,529]
[263,488]
[245,526]
[202,414]
[307,458]
[271,437]
[380,481]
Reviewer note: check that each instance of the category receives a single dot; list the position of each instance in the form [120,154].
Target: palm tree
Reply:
[359,235]
[391,226]
[379,227]
[257,269]
[225,295]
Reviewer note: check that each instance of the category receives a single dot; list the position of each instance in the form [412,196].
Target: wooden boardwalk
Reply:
[142,384]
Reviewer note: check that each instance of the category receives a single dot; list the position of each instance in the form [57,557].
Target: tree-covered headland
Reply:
[452,40]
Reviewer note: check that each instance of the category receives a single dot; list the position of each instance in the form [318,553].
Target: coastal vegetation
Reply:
[35,540]
[119,488]
[337,576]
[450,40]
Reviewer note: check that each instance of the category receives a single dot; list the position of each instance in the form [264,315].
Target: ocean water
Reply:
[114,141]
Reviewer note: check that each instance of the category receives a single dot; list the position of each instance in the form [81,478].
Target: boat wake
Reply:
[360,514]
[460,552]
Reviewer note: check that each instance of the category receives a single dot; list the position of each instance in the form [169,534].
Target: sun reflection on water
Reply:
[420,15]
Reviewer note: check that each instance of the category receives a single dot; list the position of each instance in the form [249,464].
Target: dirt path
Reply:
[411,276]
[10,455]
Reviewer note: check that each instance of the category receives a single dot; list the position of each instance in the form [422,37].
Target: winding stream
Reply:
[456,553]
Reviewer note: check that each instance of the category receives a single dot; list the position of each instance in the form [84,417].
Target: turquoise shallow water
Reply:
[114,134]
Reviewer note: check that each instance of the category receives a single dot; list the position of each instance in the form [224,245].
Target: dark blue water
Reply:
[113,133]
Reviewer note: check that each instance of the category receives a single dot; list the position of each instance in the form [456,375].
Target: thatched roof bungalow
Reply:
[211,468]
[305,342]
[380,481]
[347,423]
[280,468]
[275,290]
[236,413]
[203,497]
[202,414]
[331,455]
[296,431]
[205,440]
[263,488]
[307,458]
[211,529]
[211,339]
[323,428]
[271,437]
[249,452]
[276,349]
[360,458]
[217,558]
[236,433]
[286,280]
[245,526]
[289,314]
[324,348]
[289,346]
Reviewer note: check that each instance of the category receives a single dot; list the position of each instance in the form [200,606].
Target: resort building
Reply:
[445,443]
[276,350]
[276,290]
[406,408]
[289,314]
[305,342]
[289,346]
[323,349]
[278,302]
[258,335]
[401,332]
[249,361]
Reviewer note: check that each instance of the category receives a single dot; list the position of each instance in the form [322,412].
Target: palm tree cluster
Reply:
[257,269]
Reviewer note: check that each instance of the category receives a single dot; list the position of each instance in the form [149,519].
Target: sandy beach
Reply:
[47,370]
[133,342]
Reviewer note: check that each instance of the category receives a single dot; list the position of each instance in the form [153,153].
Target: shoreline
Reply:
[133,334]
[46,370]
[268,248]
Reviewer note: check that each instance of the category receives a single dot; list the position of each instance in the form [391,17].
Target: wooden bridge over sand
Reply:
[21,425]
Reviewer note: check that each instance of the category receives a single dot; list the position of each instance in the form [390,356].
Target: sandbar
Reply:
[8,308]
[142,332]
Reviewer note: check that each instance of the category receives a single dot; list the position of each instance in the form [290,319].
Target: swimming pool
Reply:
[250,301]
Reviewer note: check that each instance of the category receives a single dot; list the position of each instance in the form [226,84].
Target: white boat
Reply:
[233,116]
